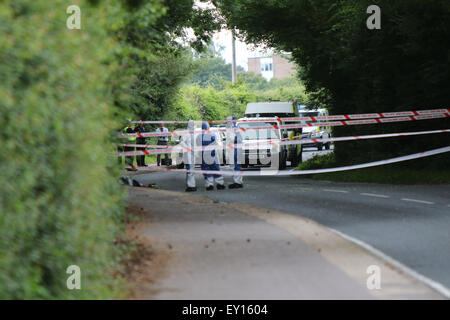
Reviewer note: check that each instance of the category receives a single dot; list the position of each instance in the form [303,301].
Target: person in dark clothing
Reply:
[210,159]
[120,149]
[162,141]
[141,158]
[131,140]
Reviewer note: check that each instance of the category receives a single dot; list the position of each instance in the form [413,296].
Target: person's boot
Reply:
[220,187]
[191,189]
[235,186]
[210,188]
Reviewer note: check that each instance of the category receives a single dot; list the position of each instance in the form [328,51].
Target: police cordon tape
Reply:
[308,118]
[152,146]
[147,146]
[301,172]
[155,146]
[268,143]
[288,126]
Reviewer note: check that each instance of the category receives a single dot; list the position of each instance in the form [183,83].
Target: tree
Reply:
[356,70]
[210,69]
[253,81]
[156,54]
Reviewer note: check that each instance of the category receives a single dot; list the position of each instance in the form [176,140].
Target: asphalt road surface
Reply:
[206,249]
[408,223]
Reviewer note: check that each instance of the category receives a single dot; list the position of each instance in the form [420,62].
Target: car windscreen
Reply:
[259,134]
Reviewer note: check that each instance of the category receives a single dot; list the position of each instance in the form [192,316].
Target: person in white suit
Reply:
[234,156]
[188,141]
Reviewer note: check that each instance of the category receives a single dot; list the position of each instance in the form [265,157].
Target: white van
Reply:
[316,132]
[271,109]
[257,149]
[281,110]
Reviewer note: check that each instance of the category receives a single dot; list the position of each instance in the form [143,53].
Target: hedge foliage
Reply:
[59,200]
[352,69]
[210,103]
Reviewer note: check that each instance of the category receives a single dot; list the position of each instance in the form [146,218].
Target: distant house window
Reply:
[266,67]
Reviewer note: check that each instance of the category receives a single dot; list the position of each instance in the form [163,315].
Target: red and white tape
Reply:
[302,172]
[268,143]
[318,118]
[289,126]
[147,146]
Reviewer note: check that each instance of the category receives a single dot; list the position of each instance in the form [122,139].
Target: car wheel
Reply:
[327,146]
[300,155]
[297,156]
[282,161]
[294,162]
[319,147]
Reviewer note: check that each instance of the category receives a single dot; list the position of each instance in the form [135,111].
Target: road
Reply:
[206,249]
[408,223]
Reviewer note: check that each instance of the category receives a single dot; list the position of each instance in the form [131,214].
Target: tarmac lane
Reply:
[407,223]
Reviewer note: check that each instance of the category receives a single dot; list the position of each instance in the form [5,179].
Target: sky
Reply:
[243,51]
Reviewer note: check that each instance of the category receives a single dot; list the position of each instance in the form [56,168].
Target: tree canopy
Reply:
[156,53]
[352,69]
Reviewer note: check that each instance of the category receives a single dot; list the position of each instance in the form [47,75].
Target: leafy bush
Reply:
[59,202]
[319,162]
[210,103]
[195,102]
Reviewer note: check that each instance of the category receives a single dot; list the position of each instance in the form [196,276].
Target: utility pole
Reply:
[233,59]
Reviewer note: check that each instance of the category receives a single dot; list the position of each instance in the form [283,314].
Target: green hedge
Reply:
[209,103]
[59,202]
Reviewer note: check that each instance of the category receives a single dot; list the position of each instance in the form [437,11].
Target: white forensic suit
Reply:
[210,161]
[234,156]
[188,142]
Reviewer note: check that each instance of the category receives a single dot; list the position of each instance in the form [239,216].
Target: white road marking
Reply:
[418,201]
[374,195]
[339,191]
